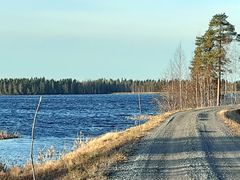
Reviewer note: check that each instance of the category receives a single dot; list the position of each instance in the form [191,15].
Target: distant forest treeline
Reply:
[35,86]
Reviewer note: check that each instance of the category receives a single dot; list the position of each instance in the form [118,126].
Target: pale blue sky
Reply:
[101,38]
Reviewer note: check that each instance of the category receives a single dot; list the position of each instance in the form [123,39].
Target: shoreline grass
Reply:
[91,160]
[6,135]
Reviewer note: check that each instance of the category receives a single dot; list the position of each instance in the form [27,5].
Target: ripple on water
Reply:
[61,118]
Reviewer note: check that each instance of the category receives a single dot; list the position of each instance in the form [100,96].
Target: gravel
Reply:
[189,145]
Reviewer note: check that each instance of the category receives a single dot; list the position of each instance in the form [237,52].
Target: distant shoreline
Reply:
[81,94]
[21,86]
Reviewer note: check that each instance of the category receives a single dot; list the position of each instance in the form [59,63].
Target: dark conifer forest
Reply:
[35,86]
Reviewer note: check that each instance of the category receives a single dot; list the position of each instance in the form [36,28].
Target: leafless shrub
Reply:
[41,155]
[48,154]
[79,141]
[51,152]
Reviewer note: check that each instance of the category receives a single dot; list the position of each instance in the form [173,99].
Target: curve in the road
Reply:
[189,145]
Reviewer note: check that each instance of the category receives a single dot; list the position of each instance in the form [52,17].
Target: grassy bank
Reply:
[231,119]
[92,159]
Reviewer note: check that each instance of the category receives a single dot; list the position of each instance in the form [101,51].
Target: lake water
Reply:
[61,118]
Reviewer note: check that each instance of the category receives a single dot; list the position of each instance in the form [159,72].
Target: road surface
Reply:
[189,145]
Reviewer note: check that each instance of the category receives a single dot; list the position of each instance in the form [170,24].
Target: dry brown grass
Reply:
[231,119]
[91,160]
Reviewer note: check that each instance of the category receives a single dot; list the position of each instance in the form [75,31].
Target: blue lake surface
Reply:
[62,117]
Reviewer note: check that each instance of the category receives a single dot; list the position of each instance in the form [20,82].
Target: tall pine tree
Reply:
[223,34]
[210,62]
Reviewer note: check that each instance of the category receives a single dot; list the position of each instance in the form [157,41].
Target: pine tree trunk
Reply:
[218,91]
[196,92]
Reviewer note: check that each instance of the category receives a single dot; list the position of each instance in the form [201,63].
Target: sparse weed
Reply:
[48,154]
[79,141]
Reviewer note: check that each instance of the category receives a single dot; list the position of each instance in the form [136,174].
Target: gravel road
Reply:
[189,145]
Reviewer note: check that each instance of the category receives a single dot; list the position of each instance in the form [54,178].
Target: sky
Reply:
[91,39]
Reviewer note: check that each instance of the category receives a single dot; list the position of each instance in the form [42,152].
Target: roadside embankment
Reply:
[231,119]
[92,159]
